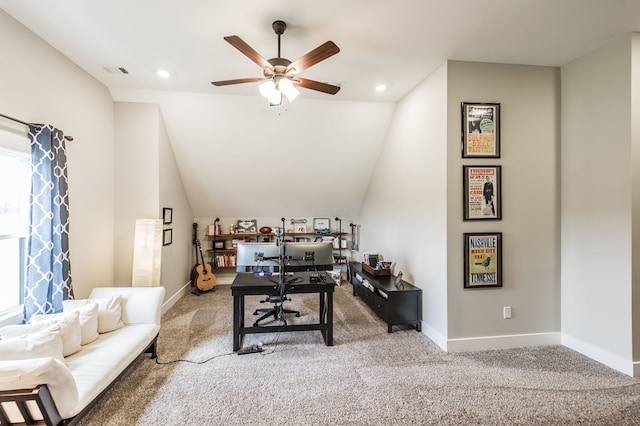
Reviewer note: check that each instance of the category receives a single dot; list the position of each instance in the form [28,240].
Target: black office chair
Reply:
[278,310]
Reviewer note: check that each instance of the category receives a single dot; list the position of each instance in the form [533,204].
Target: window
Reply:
[15,184]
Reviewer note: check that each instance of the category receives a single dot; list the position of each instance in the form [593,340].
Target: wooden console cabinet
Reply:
[396,306]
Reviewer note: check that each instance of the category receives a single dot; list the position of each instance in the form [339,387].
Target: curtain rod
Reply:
[69,138]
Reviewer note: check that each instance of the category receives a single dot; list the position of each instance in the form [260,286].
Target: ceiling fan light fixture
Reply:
[286,86]
[269,91]
[267,88]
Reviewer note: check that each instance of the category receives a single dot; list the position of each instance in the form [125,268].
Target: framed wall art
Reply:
[482,198]
[167,215]
[244,226]
[167,237]
[482,259]
[480,130]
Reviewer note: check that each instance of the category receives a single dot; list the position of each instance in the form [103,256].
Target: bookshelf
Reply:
[222,247]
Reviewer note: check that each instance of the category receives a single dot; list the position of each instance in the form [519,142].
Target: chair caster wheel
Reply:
[298,315]
[255,313]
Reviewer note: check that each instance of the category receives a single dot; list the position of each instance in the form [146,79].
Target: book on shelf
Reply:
[225,261]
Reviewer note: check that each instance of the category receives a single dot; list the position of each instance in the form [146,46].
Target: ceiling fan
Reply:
[280,74]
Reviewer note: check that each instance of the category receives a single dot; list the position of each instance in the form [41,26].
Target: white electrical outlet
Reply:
[506,312]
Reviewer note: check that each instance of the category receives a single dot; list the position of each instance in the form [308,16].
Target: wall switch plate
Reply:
[506,312]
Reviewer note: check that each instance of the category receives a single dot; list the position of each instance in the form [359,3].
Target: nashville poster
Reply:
[483,260]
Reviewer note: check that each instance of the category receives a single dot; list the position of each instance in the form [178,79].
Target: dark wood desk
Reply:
[245,284]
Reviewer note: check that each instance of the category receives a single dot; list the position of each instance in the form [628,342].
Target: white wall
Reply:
[404,216]
[137,174]
[412,213]
[635,170]
[177,260]
[596,205]
[148,179]
[530,122]
[38,84]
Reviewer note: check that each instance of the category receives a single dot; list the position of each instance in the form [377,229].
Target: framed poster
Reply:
[482,198]
[482,259]
[480,130]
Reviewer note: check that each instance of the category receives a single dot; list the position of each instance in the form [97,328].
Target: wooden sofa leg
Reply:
[153,348]
[31,405]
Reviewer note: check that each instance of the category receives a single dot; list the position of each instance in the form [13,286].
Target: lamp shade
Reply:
[268,90]
[286,87]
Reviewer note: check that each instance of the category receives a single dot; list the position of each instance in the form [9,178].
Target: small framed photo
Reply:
[482,259]
[246,226]
[480,130]
[482,198]
[167,237]
[167,215]
[322,225]
[300,229]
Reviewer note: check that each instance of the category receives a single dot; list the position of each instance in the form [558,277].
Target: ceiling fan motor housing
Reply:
[279,27]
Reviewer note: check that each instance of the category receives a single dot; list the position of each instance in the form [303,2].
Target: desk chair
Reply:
[278,309]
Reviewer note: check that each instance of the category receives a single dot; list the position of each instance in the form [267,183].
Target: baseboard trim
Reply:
[176,296]
[615,361]
[502,342]
[435,336]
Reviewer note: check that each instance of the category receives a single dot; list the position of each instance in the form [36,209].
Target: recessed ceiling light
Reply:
[381,87]
[163,73]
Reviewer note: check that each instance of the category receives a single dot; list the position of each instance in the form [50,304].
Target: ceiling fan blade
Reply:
[237,81]
[318,54]
[248,51]
[316,85]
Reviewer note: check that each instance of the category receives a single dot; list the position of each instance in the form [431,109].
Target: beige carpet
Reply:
[369,377]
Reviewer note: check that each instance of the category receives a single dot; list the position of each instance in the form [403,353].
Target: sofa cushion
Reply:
[109,311]
[45,343]
[70,331]
[28,373]
[101,362]
[88,316]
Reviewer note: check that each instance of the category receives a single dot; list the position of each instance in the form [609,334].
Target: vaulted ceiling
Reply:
[240,157]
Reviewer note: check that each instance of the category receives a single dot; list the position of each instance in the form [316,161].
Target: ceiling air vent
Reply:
[116,70]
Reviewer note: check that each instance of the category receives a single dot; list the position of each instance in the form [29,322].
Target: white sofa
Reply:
[60,392]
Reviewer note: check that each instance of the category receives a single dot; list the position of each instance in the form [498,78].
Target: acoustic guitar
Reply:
[205,280]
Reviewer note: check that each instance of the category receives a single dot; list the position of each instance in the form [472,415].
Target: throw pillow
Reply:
[46,343]
[70,330]
[109,311]
[88,315]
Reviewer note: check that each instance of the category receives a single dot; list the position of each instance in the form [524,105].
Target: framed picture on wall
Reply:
[482,259]
[167,215]
[482,198]
[480,130]
[167,237]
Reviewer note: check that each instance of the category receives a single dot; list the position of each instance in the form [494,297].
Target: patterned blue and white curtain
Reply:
[48,270]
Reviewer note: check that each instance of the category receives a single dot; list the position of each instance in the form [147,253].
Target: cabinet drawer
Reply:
[377,303]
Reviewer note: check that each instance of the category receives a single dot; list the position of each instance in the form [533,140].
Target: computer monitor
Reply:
[257,257]
[316,256]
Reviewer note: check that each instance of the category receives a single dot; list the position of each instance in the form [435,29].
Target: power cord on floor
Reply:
[273,342]
[193,362]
